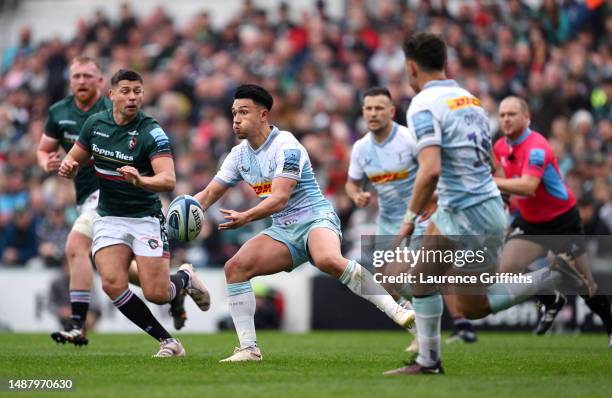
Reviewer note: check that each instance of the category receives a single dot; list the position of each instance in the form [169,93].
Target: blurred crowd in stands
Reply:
[556,54]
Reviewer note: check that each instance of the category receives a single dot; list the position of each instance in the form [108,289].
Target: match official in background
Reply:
[548,218]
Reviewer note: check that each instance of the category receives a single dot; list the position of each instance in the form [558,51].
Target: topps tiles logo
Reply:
[114,154]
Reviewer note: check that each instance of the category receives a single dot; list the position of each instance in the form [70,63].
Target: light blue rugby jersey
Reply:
[281,155]
[390,166]
[448,116]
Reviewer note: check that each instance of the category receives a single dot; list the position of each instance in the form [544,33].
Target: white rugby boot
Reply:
[252,353]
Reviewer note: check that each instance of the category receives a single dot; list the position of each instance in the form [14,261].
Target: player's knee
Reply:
[156,295]
[236,268]
[331,264]
[113,287]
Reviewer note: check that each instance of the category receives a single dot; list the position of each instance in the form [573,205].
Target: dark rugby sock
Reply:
[600,305]
[79,302]
[136,311]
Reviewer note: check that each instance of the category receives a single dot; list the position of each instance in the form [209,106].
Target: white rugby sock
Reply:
[360,281]
[242,308]
[505,295]
[428,316]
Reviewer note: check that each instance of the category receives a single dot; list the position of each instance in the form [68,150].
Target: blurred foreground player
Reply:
[133,161]
[548,218]
[304,224]
[453,144]
[386,156]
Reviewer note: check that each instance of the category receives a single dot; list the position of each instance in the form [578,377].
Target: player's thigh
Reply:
[324,249]
[113,263]
[518,254]
[260,255]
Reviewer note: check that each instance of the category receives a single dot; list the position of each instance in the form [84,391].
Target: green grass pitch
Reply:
[322,364]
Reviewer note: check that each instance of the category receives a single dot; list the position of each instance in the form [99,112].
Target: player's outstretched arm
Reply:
[355,192]
[209,195]
[163,180]
[47,154]
[282,188]
[71,162]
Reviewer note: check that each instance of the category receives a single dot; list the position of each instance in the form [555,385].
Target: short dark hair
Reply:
[426,49]
[126,74]
[374,91]
[258,94]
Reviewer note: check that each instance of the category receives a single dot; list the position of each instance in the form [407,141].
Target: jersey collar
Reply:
[388,139]
[273,133]
[440,83]
[520,138]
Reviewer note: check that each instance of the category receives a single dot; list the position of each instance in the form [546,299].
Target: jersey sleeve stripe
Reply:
[106,171]
[83,147]
[161,155]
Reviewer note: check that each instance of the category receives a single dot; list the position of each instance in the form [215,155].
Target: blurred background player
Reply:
[453,145]
[304,224]
[62,128]
[547,210]
[386,155]
[133,160]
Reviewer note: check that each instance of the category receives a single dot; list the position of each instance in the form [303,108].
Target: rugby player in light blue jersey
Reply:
[304,224]
[453,146]
[387,157]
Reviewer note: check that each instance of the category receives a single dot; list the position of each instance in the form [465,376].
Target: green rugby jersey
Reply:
[113,146]
[64,124]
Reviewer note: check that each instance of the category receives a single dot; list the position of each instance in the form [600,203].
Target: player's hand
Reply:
[131,175]
[406,230]
[234,219]
[68,168]
[428,211]
[362,199]
[54,160]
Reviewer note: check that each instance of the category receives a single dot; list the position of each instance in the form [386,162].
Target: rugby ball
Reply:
[184,219]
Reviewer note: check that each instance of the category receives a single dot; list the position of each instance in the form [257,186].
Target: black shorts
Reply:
[563,234]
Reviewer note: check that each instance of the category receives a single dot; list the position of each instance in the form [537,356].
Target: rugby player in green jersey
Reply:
[62,129]
[133,162]
[64,122]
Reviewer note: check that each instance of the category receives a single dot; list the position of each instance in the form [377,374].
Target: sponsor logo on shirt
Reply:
[70,137]
[383,178]
[113,154]
[423,124]
[462,102]
[292,161]
[63,122]
[96,132]
[262,189]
